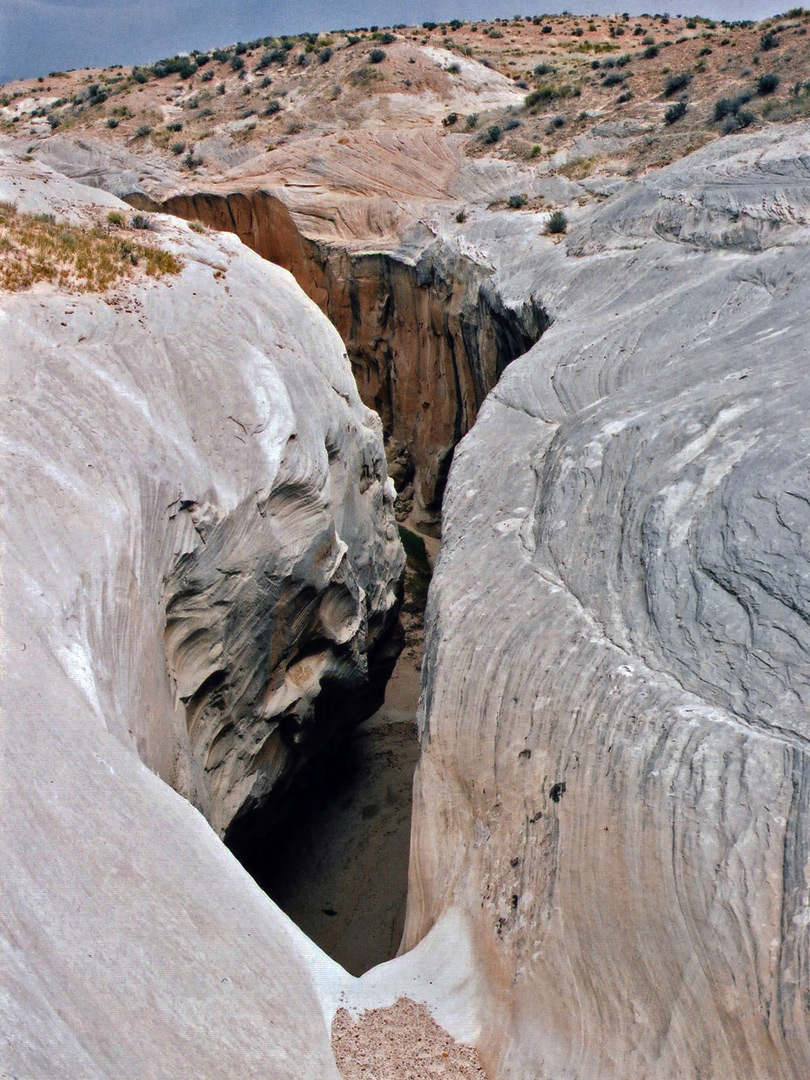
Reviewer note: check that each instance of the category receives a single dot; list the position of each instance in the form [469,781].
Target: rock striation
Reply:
[614,782]
[199,551]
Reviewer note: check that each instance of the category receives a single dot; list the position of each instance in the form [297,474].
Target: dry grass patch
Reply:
[35,247]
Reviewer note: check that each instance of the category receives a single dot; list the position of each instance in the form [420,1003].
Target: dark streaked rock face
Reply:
[616,748]
[427,334]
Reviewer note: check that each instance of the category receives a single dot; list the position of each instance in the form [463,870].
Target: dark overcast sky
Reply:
[38,36]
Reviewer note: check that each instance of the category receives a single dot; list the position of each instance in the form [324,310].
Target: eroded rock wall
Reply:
[427,333]
[614,783]
[198,542]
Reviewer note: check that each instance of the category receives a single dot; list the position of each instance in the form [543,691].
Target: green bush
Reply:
[676,83]
[543,93]
[768,41]
[178,148]
[376,56]
[325,55]
[675,112]
[450,119]
[767,83]
[557,223]
[143,131]
[492,134]
[517,202]
[737,121]
[273,106]
[725,107]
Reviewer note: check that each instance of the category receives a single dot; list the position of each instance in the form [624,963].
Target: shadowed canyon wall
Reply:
[428,337]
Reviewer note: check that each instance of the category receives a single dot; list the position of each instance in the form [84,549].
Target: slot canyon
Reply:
[405,601]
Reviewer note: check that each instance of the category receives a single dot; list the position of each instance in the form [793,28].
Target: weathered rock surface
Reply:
[427,334]
[198,545]
[615,773]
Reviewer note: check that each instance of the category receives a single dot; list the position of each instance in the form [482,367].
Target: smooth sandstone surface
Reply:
[198,536]
[614,778]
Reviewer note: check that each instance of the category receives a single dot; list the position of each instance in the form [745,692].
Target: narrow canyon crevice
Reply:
[427,338]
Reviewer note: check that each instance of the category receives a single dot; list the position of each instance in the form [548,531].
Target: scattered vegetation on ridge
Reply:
[36,247]
[573,72]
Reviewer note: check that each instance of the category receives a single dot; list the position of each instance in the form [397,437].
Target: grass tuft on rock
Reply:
[36,247]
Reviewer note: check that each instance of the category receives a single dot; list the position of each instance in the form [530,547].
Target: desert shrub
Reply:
[767,83]
[183,66]
[207,76]
[675,112]
[547,69]
[492,134]
[428,25]
[543,93]
[676,83]
[547,29]
[461,216]
[220,55]
[450,119]
[557,223]
[237,63]
[453,69]
[613,79]
[143,131]
[471,121]
[139,75]
[140,221]
[516,202]
[628,95]
[725,107]
[221,88]
[178,148]
[325,55]
[768,41]
[737,121]
[376,56]
[115,218]
[512,123]
[651,52]
[273,106]
[387,38]
[112,122]
[175,125]
[266,81]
